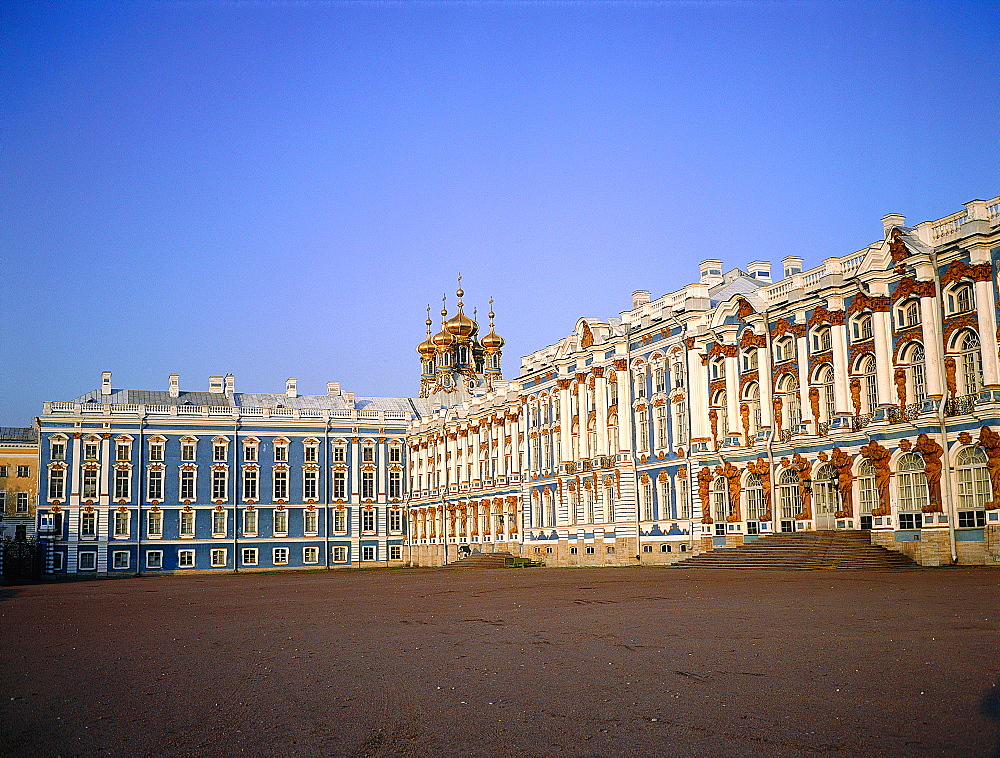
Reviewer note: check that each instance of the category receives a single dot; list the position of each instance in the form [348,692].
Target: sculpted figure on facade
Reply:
[804,469]
[845,482]
[704,487]
[989,441]
[879,456]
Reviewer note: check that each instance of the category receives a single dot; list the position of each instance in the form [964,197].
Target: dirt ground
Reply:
[511,663]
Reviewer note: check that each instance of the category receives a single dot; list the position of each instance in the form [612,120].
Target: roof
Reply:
[18,434]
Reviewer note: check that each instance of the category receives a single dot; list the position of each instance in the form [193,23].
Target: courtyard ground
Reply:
[511,663]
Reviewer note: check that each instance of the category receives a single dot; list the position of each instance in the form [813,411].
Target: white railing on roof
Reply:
[950,225]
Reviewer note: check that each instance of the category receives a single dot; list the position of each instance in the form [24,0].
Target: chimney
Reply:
[760,270]
[891,220]
[105,382]
[175,385]
[230,384]
[711,271]
[639,298]
[792,264]
[290,388]
[333,388]
[215,385]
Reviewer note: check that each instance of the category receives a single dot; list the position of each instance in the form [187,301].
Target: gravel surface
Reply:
[512,663]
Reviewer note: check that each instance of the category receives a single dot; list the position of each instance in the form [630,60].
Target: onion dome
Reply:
[426,348]
[461,325]
[492,341]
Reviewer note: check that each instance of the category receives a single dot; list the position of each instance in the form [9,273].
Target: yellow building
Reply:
[18,481]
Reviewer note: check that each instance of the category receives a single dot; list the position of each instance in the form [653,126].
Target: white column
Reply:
[601,398]
[986,312]
[733,396]
[933,346]
[883,357]
[764,383]
[841,393]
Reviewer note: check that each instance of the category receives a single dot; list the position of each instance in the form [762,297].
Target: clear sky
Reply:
[278,189]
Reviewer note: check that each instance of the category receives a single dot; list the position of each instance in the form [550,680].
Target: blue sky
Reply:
[278,189]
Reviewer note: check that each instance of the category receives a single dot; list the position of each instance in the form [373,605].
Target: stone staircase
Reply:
[803,550]
[480,561]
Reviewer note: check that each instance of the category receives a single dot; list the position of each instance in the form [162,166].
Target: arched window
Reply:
[788,494]
[720,499]
[754,498]
[974,489]
[868,494]
[869,384]
[917,384]
[911,484]
[970,361]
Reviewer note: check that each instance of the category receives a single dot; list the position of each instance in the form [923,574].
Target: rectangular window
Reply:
[57,484]
[251,477]
[340,520]
[218,556]
[340,485]
[90,483]
[156,452]
[154,484]
[249,556]
[280,556]
[22,503]
[187,451]
[249,523]
[280,454]
[310,555]
[395,552]
[123,484]
[23,471]
[396,484]
[185,559]
[154,523]
[310,485]
[87,561]
[281,522]
[340,554]
[310,454]
[88,524]
[368,552]
[395,520]
[368,520]
[340,454]
[90,451]
[280,484]
[368,484]
[123,451]
[220,484]
[121,559]
[220,520]
[395,454]
[187,489]
[220,452]
[310,521]
[57,452]
[250,453]
[187,523]
[123,520]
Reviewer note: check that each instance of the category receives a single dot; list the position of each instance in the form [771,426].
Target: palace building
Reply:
[862,394]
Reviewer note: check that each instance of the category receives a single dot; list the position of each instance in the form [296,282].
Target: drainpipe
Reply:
[946,490]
